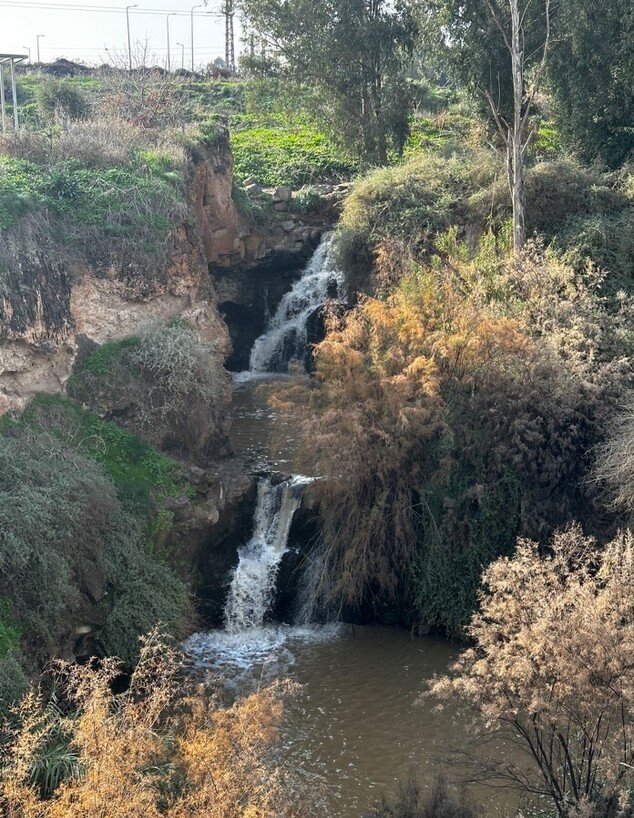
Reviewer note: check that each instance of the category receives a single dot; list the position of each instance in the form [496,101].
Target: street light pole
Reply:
[37,42]
[29,50]
[182,55]
[127,21]
[169,60]
[191,14]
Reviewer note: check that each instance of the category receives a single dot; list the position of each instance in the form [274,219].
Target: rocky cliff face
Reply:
[47,304]
[51,296]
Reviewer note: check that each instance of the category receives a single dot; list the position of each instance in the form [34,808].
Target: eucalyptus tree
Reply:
[346,60]
[591,76]
[499,49]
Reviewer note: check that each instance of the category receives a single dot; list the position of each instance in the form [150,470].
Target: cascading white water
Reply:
[286,335]
[253,583]
[246,643]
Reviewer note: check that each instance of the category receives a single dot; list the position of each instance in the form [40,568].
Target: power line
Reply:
[102,9]
[210,50]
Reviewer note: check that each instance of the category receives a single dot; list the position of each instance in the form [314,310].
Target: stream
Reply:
[357,724]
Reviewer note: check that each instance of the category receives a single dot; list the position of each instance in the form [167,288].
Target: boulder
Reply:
[282,194]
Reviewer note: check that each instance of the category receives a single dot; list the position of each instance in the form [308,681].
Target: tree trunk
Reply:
[518,192]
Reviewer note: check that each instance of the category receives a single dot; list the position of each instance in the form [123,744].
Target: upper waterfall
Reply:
[286,336]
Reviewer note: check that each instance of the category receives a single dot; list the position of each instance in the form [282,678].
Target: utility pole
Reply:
[169,60]
[230,54]
[191,14]
[127,22]
[182,55]
[37,42]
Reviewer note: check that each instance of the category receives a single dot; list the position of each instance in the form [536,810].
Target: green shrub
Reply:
[142,477]
[82,541]
[582,213]
[413,203]
[307,200]
[13,682]
[9,633]
[55,95]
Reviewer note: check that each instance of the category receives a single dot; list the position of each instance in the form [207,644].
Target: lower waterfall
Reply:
[253,583]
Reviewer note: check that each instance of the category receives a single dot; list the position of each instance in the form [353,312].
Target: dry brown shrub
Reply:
[615,460]
[552,666]
[454,414]
[26,144]
[154,750]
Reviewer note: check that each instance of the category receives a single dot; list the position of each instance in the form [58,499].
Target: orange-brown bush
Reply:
[147,752]
[453,415]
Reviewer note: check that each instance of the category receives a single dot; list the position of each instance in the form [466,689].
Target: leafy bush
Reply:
[412,203]
[9,633]
[307,200]
[13,681]
[276,156]
[55,95]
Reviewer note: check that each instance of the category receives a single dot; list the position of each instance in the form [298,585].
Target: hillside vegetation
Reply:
[469,413]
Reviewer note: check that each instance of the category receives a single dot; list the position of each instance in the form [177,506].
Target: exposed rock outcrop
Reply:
[49,298]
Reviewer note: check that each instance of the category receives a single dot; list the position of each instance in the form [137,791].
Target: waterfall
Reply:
[247,645]
[286,336]
[253,583]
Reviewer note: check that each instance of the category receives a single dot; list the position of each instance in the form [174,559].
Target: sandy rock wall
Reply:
[49,298]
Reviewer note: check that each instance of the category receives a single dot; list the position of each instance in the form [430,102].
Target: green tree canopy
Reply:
[592,78]
[350,56]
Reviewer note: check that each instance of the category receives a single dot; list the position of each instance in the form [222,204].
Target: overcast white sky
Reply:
[98,34]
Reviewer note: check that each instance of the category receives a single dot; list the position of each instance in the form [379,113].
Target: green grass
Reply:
[112,198]
[437,132]
[277,155]
[142,476]
[101,361]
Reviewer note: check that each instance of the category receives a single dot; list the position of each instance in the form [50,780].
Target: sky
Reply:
[94,31]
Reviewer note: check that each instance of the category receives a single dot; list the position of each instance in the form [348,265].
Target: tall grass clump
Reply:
[166,384]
